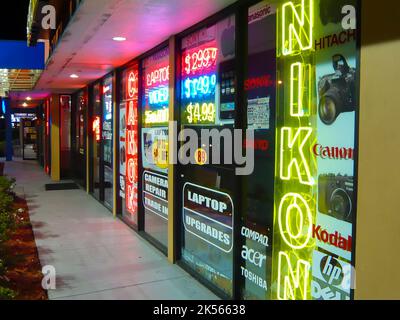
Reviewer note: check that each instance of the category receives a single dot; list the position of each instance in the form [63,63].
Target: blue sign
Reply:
[17,55]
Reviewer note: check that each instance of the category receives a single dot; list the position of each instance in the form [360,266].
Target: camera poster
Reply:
[337,102]
[122,150]
[155,149]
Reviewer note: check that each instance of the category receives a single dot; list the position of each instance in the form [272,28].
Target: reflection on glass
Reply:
[154,135]
[208,86]
[258,210]
[128,145]
[96,127]
[107,135]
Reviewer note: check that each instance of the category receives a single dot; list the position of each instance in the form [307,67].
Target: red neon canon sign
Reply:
[132,85]
[131,143]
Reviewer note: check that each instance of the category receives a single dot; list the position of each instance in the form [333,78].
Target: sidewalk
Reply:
[95,255]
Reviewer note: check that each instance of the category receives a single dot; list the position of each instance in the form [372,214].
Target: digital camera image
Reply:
[337,91]
[335,196]
[122,155]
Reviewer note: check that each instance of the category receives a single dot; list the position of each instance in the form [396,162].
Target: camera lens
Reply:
[341,205]
[327,110]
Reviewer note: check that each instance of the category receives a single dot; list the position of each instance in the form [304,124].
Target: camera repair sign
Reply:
[155,194]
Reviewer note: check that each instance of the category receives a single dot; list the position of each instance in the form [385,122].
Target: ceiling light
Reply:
[28,98]
[120,39]
[24,104]
[74,76]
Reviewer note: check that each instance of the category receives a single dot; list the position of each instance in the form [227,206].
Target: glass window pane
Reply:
[208,89]
[154,135]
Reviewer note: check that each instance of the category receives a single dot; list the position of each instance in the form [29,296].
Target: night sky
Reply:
[13,19]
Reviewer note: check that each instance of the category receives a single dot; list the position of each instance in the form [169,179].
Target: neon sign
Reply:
[157,116]
[197,113]
[200,60]
[96,128]
[159,96]
[203,85]
[199,83]
[131,144]
[297,29]
[158,76]
[295,186]
[132,84]
[131,158]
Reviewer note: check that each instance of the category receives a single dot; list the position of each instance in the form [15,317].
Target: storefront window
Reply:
[96,139]
[315,125]
[65,135]
[79,143]
[154,135]
[107,133]
[208,89]
[128,145]
[258,196]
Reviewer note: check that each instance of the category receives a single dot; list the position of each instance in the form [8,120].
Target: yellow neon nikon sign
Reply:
[295,194]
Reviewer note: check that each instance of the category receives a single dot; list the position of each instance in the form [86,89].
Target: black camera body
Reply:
[337,91]
[331,11]
[336,196]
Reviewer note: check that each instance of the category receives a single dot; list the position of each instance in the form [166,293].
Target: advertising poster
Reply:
[107,129]
[337,101]
[122,149]
[155,149]
[131,145]
[155,194]
[208,224]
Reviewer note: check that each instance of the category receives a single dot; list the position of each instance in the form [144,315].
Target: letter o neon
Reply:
[289,202]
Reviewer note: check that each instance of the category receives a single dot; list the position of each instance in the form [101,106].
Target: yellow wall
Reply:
[55,137]
[171,168]
[378,221]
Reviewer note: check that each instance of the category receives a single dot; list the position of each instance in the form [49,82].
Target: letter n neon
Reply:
[297,27]
[291,285]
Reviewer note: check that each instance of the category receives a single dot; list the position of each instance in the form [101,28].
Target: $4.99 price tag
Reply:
[204,113]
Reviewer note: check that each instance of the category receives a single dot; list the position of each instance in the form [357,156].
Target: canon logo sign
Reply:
[336,153]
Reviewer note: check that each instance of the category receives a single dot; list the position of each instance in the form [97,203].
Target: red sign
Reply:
[131,143]
[157,77]
[334,153]
[132,85]
[200,60]
[259,82]
[96,128]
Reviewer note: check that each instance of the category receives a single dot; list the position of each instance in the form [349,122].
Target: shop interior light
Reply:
[24,104]
[28,98]
[74,76]
[119,39]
